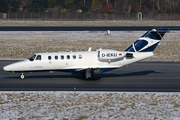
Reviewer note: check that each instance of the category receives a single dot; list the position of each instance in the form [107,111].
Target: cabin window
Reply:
[38,57]
[68,57]
[49,57]
[32,57]
[74,57]
[80,56]
[62,57]
[56,57]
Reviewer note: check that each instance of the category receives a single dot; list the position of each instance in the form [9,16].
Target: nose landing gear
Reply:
[22,76]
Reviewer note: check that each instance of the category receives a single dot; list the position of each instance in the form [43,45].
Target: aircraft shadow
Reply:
[139,73]
[79,76]
[113,75]
[41,76]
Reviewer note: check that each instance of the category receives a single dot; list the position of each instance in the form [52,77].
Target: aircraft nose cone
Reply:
[12,67]
[6,68]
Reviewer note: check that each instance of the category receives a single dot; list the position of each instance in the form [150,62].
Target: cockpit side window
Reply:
[38,57]
[32,57]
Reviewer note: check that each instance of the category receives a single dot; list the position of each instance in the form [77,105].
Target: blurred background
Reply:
[90,9]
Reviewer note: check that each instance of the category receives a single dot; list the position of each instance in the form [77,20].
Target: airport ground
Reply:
[88,23]
[144,77]
[22,44]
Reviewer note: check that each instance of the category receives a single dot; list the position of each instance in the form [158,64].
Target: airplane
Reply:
[89,62]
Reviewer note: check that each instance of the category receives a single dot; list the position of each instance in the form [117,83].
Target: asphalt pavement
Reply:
[138,77]
[84,28]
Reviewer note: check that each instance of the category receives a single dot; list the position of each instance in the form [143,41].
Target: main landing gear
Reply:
[22,76]
[88,75]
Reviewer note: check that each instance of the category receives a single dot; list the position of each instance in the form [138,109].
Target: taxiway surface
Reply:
[136,77]
[84,28]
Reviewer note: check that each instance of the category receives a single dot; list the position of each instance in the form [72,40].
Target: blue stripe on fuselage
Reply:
[106,69]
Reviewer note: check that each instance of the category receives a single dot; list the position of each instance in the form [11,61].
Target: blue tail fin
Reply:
[148,42]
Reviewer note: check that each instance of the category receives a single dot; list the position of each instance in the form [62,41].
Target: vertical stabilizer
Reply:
[148,42]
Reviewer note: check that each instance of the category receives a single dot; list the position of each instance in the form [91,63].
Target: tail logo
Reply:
[148,42]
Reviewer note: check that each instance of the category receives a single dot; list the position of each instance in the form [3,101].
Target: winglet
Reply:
[89,49]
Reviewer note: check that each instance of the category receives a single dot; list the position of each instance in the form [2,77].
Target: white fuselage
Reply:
[77,61]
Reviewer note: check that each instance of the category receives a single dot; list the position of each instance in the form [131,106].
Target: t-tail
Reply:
[147,42]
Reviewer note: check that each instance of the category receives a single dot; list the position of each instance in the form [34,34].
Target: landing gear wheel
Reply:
[22,76]
[90,78]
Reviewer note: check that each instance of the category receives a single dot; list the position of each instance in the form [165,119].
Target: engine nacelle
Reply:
[110,55]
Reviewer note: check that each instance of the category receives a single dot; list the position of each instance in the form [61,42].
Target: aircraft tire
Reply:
[22,76]
[90,78]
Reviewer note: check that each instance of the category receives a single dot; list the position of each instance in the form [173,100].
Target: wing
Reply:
[93,70]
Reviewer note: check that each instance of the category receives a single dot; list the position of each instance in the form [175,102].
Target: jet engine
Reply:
[106,55]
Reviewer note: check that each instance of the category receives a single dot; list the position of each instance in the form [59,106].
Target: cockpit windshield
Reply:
[32,57]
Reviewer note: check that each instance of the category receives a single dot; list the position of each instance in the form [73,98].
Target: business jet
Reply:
[89,62]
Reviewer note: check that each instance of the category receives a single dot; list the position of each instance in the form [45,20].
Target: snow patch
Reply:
[21,44]
[89,105]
